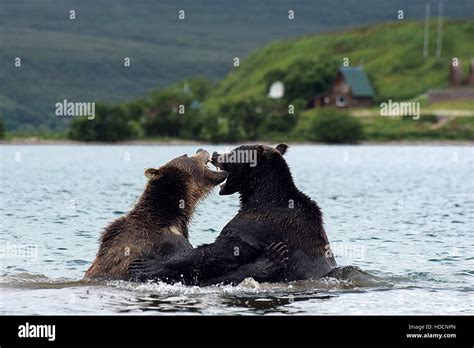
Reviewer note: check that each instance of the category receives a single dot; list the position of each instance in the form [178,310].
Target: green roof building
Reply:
[351,88]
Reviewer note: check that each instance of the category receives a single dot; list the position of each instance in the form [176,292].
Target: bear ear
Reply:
[260,150]
[282,148]
[152,173]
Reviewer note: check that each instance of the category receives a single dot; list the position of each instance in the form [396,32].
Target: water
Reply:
[403,213]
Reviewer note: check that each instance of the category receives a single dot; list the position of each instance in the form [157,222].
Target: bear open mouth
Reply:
[211,166]
[215,168]
[219,167]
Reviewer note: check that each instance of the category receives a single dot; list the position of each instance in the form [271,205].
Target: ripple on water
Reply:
[466,272]
[78,262]
[368,203]
[445,259]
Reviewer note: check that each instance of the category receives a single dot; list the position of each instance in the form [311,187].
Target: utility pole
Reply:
[426,39]
[439,42]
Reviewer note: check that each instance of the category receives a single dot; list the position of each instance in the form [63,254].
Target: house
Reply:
[351,88]
[459,87]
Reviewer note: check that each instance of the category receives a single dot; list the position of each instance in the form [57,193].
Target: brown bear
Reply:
[158,223]
[157,226]
[272,209]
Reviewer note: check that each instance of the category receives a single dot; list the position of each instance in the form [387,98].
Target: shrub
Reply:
[248,119]
[304,78]
[334,126]
[111,124]
[162,118]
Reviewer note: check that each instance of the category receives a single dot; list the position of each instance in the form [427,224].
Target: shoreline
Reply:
[178,142]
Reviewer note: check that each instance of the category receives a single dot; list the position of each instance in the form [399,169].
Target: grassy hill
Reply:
[82,60]
[391,54]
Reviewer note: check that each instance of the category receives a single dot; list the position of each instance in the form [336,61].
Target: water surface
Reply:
[403,213]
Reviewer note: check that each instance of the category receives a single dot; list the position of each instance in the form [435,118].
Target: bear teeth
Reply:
[213,167]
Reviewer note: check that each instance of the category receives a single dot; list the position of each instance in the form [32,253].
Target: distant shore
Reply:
[39,141]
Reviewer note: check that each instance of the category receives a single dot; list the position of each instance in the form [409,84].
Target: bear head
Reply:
[249,165]
[191,172]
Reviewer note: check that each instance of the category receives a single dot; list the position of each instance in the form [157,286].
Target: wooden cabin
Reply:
[459,87]
[351,88]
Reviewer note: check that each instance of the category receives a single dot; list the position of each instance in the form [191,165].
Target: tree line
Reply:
[188,110]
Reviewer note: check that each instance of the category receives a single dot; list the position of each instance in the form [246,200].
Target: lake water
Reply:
[403,213]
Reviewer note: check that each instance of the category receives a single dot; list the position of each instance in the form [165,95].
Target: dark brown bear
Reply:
[158,224]
[272,210]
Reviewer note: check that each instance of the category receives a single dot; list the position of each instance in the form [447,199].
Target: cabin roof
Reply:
[357,79]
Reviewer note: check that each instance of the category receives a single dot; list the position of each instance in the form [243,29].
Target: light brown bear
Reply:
[158,223]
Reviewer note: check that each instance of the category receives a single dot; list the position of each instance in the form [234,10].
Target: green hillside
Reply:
[391,54]
[82,60]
